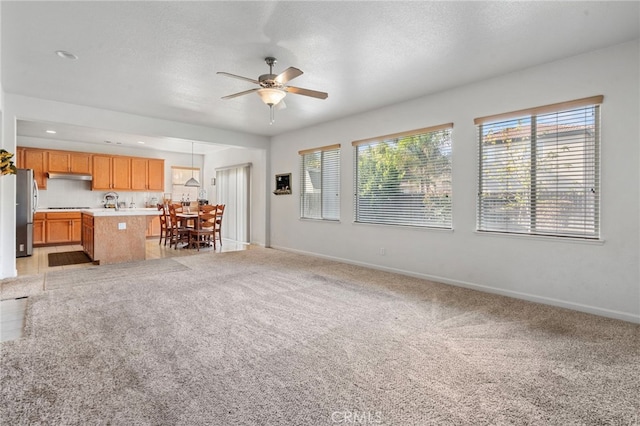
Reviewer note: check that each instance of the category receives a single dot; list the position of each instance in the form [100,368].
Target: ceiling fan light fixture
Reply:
[271,96]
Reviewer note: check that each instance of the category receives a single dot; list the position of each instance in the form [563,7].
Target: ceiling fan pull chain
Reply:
[272,117]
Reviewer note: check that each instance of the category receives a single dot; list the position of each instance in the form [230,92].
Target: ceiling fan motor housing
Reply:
[269,81]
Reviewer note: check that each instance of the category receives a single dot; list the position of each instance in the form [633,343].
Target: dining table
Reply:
[187,219]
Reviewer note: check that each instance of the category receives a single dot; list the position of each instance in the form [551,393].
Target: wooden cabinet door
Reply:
[38,231]
[65,162]
[87,235]
[76,230]
[121,173]
[62,228]
[58,161]
[35,159]
[58,230]
[155,181]
[101,172]
[153,226]
[139,170]
[79,162]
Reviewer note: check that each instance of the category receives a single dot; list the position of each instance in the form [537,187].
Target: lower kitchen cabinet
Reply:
[153,226]
[87,235]
[59,228]
[38,228]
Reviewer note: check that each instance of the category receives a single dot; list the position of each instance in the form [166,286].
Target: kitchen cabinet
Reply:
[155,180]
[69,162]
[111,172]
[153,226]
[35,159]
[38,229]
[87,235]
[62,228]
[147,174]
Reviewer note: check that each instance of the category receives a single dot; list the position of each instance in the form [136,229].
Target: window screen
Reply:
[405,179]
[539,172]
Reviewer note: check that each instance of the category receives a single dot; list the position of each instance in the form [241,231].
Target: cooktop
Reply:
[68,208]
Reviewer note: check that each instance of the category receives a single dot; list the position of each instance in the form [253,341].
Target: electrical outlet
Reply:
[383,251]
[122,226]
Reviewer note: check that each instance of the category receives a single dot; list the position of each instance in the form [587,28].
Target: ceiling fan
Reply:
[273,87]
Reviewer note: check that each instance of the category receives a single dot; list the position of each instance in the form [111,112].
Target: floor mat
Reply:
[68,258]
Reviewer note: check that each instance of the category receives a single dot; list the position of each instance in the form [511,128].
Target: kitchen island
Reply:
[115,236]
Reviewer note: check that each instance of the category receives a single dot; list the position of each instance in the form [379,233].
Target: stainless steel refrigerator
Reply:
[26,205]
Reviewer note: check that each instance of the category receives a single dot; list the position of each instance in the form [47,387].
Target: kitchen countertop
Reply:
[151,211]
[122,212]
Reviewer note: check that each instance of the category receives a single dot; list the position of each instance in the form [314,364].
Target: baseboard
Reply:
[594,310]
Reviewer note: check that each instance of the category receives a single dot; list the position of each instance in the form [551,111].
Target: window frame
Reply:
[591,162]
[410,216]
[325,215]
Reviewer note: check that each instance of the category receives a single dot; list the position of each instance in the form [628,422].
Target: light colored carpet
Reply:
[28,285]
[263,337]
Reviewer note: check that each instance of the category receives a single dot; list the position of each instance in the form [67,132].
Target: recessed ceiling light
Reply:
[141,142]
[66,55]
[53,132]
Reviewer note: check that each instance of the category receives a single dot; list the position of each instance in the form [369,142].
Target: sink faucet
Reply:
[116,204]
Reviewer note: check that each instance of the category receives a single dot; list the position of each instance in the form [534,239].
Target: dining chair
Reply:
[179,232]
[217,231]
[165,228]
[207,208]
[203,231]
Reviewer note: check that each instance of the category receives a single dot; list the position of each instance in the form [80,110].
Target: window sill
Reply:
[312,219]
[547,238]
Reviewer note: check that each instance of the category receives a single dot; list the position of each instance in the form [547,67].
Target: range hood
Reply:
[69,176]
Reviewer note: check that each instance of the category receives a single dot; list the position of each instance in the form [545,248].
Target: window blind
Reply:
[320,183]
[539,173]
[405,178]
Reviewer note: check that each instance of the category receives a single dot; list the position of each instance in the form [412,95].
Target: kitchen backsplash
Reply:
[72,193]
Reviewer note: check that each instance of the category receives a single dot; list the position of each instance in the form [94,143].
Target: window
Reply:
[539,170]
[320,183]
[179,176]
[405,179]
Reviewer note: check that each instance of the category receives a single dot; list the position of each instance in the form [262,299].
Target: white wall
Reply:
[28,108]
[601,278]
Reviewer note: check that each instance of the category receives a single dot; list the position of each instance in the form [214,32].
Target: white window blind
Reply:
[405,178]
[320,183]
[539,170]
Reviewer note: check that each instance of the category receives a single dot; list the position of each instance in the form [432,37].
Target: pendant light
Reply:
[192,181]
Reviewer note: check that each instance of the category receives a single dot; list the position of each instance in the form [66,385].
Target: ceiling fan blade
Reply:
[306,92]
[288,74]
[235,95]
[239,77]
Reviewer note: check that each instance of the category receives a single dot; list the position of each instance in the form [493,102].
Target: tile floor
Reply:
[12,311]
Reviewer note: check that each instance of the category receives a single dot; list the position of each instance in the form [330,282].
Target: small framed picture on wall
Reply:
[283,184]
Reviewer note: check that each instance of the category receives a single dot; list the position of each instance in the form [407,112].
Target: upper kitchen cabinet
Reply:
[69,162]
[32,158]
[111,172]
[147,174]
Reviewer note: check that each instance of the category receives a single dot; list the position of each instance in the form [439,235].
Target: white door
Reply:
[232,189]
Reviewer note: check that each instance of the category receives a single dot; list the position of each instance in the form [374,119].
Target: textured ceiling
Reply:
[159,59]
